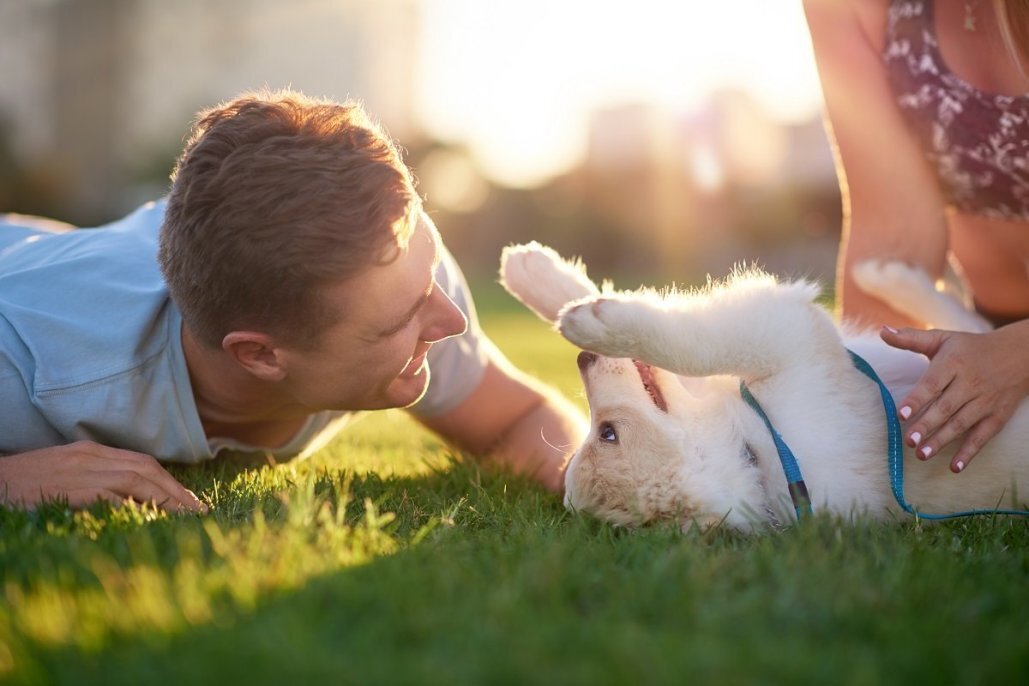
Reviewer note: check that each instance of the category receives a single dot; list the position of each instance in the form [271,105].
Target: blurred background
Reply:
[659,140]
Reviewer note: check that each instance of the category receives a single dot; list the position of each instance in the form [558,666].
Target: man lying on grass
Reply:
[289,279]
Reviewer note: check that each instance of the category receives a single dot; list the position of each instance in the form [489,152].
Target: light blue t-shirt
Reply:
[91,348]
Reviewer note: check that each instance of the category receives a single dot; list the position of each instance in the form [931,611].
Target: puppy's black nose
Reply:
[585,359]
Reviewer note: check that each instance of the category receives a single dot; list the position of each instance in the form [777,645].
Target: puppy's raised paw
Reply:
[542,280]
[606,326]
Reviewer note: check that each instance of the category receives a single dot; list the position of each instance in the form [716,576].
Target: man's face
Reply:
[374,357]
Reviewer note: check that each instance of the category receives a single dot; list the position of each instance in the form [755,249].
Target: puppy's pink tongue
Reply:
[646,373]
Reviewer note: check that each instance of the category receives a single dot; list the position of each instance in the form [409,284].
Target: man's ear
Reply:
[257,353]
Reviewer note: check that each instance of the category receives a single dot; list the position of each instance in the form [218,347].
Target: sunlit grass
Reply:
[386,559]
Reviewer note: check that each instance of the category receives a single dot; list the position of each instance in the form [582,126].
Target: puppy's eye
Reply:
[606,432]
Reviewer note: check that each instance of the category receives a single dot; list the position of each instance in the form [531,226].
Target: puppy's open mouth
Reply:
[650,384]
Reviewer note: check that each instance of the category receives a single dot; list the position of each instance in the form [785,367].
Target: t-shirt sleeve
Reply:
[22,426]
[456,365]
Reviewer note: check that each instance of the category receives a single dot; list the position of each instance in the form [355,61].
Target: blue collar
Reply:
[894,448]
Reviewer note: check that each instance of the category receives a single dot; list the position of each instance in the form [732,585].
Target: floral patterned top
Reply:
[977,142]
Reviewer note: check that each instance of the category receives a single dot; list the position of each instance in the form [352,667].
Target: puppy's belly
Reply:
[900,370]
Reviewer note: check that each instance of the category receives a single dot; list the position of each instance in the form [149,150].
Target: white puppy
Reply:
[672,438]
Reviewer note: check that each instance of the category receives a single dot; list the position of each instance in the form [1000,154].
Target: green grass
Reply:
[384,559]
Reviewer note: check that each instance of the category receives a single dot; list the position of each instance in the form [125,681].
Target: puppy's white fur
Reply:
[706,456]
[544,282]
[911,290]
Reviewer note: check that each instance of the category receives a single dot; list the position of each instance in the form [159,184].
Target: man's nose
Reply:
[445,318]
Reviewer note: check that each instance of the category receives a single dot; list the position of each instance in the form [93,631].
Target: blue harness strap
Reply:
[895,455]
[794,480]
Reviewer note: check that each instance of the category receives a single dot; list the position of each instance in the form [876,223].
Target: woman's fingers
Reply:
[939,426]
[975,440]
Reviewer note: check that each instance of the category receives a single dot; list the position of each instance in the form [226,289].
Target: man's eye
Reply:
[607,433]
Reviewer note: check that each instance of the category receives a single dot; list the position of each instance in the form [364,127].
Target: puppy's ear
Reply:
[542,280]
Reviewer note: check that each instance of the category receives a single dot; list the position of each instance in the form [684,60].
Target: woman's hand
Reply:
[973,385]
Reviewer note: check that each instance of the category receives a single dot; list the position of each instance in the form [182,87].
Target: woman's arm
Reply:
[892,206]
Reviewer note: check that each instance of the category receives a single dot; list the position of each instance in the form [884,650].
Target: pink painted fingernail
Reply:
[915,438]
[890,329]
[905,412]
[926,452]
[960,466]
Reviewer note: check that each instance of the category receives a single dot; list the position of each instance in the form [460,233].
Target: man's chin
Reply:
[406,391]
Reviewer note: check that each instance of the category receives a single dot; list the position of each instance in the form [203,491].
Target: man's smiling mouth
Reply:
[416,365]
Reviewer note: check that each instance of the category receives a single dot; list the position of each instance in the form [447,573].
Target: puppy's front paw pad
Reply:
[601,325]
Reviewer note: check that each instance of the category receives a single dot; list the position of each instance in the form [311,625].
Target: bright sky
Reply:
[517,79]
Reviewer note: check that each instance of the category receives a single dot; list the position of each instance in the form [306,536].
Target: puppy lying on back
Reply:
[672,438]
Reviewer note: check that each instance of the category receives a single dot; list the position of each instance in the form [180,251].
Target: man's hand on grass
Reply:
[85,472]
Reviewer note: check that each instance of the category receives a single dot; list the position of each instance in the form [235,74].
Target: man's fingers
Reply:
[166,481]
[129,457]
[84,497]
[142,488]
[84,472]
[114,459]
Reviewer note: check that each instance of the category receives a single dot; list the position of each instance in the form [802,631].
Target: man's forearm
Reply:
[516,421]
[539,443]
